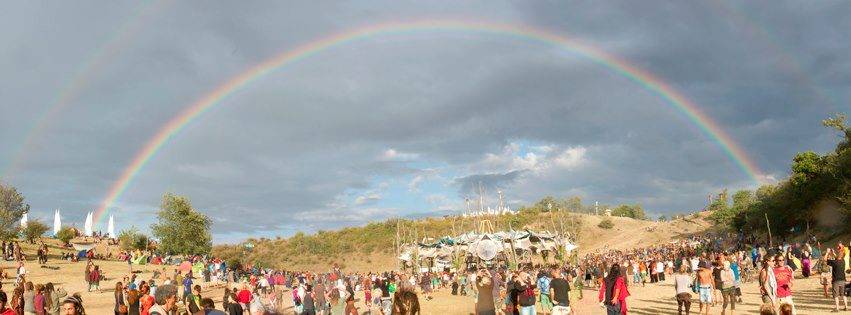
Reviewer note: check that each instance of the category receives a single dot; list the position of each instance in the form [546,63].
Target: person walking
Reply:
[706,286]
[560,292]
[784,277]
[728,288]
[613,292]
[682,284]
[837,266]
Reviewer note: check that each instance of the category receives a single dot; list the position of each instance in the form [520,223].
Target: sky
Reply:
[406,124]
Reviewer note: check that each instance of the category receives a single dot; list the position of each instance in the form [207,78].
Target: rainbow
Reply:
[598,56]
[117,42]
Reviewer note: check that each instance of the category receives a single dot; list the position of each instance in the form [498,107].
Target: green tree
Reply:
[663,218]
[629,211]
[131,239]
[66,234]
[181,229]
[34,230]
[12,208]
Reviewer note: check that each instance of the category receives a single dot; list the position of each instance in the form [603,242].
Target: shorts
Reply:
[838,288]
[546,302]
[705,294]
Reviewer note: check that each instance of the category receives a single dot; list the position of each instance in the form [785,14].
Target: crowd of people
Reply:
[709,270]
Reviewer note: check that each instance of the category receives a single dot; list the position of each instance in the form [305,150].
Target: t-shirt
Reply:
[560,289]
[187,284]
[544,284]
[784,277]
[682,283]
[526,295]
[838,269]
[243,296]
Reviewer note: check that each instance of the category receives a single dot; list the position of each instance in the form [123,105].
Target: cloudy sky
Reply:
[406,123]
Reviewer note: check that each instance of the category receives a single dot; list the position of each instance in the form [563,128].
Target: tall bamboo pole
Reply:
[768,226]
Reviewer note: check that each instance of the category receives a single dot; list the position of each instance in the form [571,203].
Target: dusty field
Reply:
[652,299]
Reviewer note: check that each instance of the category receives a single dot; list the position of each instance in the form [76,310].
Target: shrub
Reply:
[606,224]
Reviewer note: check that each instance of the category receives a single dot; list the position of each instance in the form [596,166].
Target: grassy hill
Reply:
[371,247]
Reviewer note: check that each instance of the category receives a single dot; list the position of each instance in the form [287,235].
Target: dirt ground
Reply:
[652,299]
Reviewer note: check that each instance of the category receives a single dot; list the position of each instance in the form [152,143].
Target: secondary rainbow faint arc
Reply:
[117,42]
[618,65]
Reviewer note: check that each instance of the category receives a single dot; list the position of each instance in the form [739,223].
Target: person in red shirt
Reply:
[784,277]
[244,297]
[3,309]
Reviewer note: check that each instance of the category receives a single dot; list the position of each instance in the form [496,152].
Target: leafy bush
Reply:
[606,224]
[66,234]
[34,230]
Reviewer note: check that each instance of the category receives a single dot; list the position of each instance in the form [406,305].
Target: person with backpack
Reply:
[307,304]
[544,287]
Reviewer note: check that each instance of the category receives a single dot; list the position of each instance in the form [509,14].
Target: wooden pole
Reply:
[398,261]
[768,226]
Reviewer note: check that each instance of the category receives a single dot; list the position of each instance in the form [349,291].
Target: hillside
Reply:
[371,247]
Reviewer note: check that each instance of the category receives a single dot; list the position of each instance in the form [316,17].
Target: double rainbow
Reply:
[618,65]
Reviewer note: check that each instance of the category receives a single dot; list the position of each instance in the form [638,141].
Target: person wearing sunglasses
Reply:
[784,277]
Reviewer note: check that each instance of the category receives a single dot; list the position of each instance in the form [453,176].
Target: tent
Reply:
[83,246]
[141,260]
[185,266]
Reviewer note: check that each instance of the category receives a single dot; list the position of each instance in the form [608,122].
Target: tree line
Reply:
[817,192]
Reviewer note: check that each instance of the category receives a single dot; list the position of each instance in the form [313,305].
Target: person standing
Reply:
[29,299]
[706,286]
[526,294]
[783,275]
[544,288]
[166,299]
[559,291]
[837,266]
[682,283]
[484,301]
[120,306]
[56,294]
[613,292]
[3,301]
[728,288]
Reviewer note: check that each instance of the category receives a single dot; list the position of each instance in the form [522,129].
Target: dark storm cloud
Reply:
[306,147]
